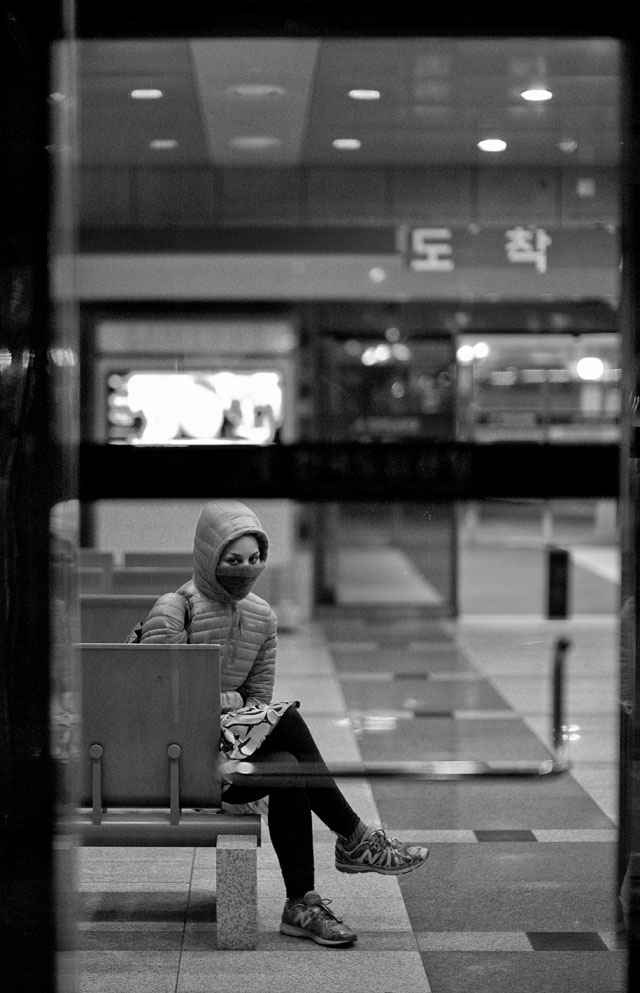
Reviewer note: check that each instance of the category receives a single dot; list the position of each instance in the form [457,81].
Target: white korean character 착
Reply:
[528,245]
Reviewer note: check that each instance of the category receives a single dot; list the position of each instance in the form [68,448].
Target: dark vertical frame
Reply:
[27,486]
[629,774]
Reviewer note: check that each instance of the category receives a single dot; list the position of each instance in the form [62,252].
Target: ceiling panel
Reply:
[254,97]
[114,128]
[438,97]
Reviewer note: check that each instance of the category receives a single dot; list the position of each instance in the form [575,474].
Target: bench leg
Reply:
[237,891]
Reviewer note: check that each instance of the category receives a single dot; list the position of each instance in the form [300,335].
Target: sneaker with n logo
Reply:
[376,852]
[311,918]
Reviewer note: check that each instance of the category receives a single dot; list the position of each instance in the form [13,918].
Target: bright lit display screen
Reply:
[194,408]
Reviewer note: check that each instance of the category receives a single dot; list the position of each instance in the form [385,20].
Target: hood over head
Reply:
[221,522]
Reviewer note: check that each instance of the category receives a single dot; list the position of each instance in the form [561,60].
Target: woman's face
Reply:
[242,551]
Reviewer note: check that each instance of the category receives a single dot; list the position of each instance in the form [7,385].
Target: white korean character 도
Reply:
[430,250]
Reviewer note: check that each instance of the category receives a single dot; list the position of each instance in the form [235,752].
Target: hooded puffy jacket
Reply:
[245,629]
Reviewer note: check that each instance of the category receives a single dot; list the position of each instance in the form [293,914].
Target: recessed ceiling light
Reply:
[362,94]
[492,145]
[586,186]
[536,94]
[256,91]
[254,143]
[346,144]
[163,144]
[146,94]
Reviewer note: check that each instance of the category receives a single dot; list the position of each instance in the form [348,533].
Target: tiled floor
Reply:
[519,891]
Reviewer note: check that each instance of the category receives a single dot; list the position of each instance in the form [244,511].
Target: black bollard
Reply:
[558,726]
[557,582]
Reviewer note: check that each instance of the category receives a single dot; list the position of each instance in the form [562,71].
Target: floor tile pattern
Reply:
[519,891]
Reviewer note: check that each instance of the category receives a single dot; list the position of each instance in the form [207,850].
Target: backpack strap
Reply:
[135,635]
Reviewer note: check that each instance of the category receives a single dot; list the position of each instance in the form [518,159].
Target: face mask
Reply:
[238,580]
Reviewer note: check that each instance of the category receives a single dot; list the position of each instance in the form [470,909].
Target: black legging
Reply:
[290,806]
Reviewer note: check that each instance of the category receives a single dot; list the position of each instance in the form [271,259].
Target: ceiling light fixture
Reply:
[254,143]
[586,186]
[346,144]
[536,94]
[146,94]
[256,91]
[163,144]
[362,94]
[492,145]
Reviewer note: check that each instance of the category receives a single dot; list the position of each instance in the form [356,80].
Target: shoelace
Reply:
[381,842]
[323,907]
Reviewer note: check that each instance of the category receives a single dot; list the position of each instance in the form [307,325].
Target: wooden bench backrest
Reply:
[95,557]
[149,579]
[163,560]
[93,579]
[110,617]
[136,701]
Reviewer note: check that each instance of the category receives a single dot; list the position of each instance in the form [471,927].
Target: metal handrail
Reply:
[279,773]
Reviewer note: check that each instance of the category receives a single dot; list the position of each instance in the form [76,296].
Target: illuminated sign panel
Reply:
[541,248]
[194,407]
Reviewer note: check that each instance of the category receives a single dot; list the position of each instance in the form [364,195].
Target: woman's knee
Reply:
[288,731]
[292,718]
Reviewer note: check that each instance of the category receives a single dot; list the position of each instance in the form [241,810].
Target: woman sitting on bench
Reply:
[217,606]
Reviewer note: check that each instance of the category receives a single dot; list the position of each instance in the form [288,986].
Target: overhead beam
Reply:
[316,472]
